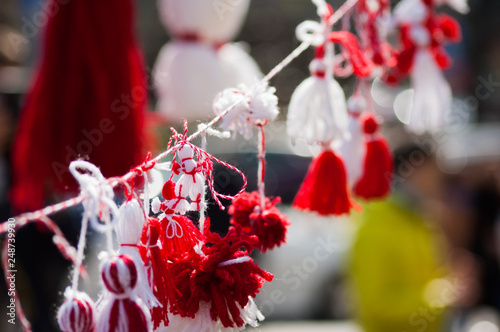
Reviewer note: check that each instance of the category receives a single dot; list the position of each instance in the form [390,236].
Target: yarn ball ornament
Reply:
[77,313]
[269,225]
[122,310]
[221,274]
[254,106]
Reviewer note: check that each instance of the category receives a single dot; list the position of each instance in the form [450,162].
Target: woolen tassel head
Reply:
[130,223]
[122,310]
[318,110]
[119,274]
[324,189]
[77,313]
[378,165]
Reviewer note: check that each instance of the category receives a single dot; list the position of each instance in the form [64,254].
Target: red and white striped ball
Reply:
[77,314]
[119,274]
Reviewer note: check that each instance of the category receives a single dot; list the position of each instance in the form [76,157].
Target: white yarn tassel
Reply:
[77,313]
[129,230]
[318,111]
[432,97]
[353,150]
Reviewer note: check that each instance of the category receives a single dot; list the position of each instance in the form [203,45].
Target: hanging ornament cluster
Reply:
[200,61]
[254,212]
[170,272]
[355,159]
[423,33]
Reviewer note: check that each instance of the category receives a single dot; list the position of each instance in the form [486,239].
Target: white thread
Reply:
[174,228]
[238,260]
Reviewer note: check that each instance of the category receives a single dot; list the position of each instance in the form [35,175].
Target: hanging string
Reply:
[261,172]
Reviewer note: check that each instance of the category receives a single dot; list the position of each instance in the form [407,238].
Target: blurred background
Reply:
[427,259]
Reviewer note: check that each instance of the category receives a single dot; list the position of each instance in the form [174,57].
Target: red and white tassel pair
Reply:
[318,114]
[253,211]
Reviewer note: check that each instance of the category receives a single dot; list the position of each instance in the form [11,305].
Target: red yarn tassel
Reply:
[87,98]
[158,272]
[324,189]
[179,235]
[376,179]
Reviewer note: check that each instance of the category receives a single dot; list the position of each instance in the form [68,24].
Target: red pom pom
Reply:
[222,276]
[269,226]
[370,124]
[450,27]
[376,179]
[324,189]
[168,191]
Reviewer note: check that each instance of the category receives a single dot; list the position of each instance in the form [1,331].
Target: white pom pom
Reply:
[318,112]
[254,106]
[155,205]
[130,222]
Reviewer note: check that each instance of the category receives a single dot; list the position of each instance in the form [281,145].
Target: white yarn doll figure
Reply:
[199,61]
[191,182]
[423,33]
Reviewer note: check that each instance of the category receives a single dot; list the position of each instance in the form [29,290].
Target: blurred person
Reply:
[398,263]
[471,221]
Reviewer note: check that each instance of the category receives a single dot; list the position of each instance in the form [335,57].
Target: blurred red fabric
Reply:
[86,98]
